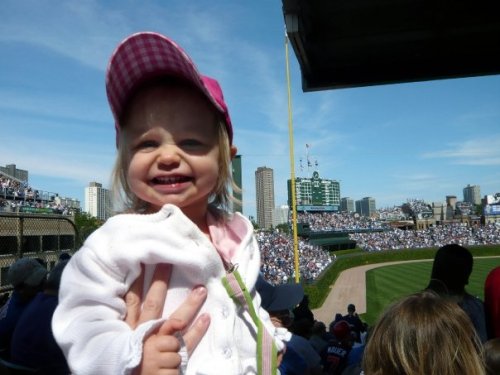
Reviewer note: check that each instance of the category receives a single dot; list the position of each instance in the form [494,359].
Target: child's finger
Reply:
[133,300]
[193,335]
[154,300]
[188,310]
[196,332]
[184,315]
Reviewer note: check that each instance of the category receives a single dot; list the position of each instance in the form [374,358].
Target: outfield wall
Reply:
[34,236]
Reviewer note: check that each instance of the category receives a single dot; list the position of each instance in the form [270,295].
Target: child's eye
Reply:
[191,144]
[148,144]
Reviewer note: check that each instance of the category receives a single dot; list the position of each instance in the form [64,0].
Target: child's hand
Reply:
[161,347]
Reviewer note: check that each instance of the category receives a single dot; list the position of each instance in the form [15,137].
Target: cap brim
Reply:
[279,297]
[287,297]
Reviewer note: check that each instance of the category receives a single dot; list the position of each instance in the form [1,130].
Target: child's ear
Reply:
[233,152]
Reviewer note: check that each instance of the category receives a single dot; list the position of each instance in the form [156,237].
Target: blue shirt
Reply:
[292,363]
[10,313]
[33,344]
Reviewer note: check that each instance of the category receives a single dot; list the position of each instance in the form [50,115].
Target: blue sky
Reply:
[420,140]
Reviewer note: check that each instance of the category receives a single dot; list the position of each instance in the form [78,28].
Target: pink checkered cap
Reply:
[146,55]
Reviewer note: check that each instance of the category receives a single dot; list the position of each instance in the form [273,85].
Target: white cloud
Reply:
[480,152]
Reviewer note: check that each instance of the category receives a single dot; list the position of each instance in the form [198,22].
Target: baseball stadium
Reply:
[349,273]
[345,257]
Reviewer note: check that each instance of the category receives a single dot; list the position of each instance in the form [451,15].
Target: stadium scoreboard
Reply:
[315,194]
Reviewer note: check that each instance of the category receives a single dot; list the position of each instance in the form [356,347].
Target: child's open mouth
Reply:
[170,180]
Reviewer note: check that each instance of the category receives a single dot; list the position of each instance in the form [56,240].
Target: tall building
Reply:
[236,169]
[451,201]
[315,194]
[264,188]
[98,201]
[472,194]
[366,206]
[280,215]
[347,204]
[15,172]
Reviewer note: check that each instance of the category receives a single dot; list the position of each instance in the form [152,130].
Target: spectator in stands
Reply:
[357,325]
[450,274]
[355,357]
[492,356]
[318,337]
[27,276]
[4,297]
[64,256]
[423,334]
[303,311]
[303,319]
[337,350]
[279,301]
[33,344]
[492,302]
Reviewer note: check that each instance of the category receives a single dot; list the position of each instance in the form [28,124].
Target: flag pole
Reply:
[292,169]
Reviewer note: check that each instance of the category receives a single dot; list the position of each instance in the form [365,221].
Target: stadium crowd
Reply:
[278,254]
[17,196]
[277,258]
[342,221]
[436,236]
[418,208]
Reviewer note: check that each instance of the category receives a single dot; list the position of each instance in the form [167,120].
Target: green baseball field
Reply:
[386,284]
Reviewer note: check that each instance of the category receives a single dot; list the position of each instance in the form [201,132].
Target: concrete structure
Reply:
[472,194]
[280,215]
[341,44]
[439,211]
[451,201]
[264,189]
[98,201]
[237,178]
[347,204]
[491,208]
[366,206]
[11,170]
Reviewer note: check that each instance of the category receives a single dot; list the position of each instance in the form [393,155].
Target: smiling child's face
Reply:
[172,139]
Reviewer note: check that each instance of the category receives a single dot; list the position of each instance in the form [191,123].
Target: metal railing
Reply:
[44,237]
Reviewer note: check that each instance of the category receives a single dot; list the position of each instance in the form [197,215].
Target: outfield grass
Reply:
[387,284]
[318,291]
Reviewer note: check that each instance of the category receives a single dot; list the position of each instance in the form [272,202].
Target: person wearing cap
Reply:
[175,144]
[27,276]
[279,301]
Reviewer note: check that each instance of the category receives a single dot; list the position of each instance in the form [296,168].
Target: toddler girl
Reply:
[174,139]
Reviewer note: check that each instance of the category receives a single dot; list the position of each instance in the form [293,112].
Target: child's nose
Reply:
[168,155]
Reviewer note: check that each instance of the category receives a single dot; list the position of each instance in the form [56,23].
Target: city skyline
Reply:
[463,197]
[394,142]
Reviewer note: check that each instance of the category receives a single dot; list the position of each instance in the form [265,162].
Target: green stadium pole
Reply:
[292,167]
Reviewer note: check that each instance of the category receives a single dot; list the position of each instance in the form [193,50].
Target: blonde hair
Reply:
[423,334]
[492,356]
[221,197]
